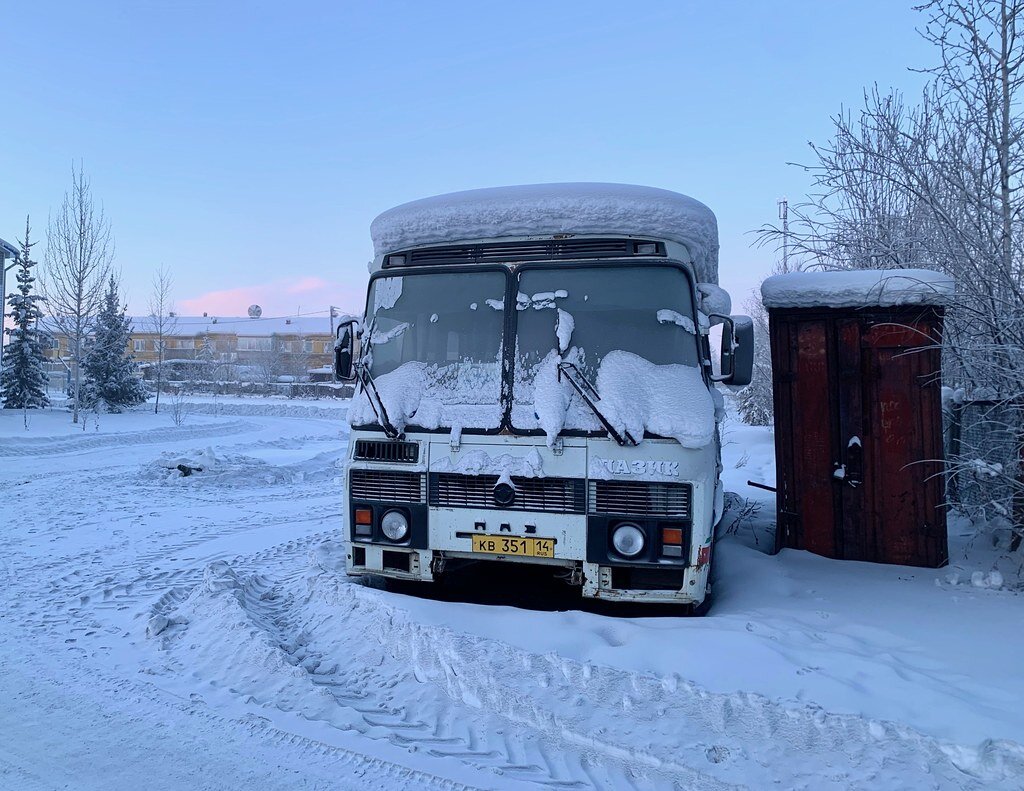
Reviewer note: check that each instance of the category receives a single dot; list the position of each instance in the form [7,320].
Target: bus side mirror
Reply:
[737,366]
[344,352]
[742,351]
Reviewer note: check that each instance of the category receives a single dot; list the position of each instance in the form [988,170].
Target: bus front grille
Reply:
[387,450]
[641,498]
[550,495]
[386,486]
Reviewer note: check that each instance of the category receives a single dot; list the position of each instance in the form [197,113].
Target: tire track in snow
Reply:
[50,446]
[360,688]
[545,719]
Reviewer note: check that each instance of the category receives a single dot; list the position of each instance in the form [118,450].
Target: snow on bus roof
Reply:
[857,288]
[548,209]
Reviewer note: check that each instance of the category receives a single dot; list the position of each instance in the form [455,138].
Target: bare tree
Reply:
[939,185]
[162,322]
[79,251]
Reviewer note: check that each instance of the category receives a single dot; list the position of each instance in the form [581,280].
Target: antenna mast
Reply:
[784,216]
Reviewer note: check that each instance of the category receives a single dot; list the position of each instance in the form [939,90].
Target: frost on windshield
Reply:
[434,362]
[434,396]
[380,337]
[386,293]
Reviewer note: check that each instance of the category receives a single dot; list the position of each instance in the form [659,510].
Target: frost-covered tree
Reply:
[940,185]
[111,382]
[207,358]
[79,250]
[23,379]
[162,322]
[755,401]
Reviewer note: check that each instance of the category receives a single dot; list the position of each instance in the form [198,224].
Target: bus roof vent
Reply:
[535,250]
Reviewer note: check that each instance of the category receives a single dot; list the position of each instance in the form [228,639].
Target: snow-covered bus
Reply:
[534,385]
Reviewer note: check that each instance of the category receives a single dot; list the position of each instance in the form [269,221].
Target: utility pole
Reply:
[784,216]
[333,312]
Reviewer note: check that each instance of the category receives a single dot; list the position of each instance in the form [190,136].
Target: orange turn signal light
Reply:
[364,516]
[672,535]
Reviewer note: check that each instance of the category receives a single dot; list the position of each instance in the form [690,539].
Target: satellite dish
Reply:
[255,311]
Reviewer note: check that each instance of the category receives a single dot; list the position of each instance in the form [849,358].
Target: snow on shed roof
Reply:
[547,209]
[857,289]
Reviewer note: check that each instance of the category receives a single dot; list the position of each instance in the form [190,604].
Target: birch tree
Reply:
[162,322]
[79,252]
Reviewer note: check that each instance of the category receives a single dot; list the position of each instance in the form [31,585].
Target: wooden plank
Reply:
[813,439]
[856,541]
[783,354]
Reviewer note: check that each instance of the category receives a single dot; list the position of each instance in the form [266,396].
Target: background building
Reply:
[230,347]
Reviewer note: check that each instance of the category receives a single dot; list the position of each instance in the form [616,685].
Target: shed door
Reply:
[902,492]
[858,423]
[805,414]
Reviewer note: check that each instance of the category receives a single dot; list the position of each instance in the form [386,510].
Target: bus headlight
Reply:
[628,540]
[394,525]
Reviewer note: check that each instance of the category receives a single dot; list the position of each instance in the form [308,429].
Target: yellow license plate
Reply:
[514,545]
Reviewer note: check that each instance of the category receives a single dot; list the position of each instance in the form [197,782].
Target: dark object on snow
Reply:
[187,470]
[858,432]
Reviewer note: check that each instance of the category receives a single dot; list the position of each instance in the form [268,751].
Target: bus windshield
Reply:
[432,344]
[629,332]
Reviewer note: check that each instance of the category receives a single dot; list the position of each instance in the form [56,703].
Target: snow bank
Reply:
[548,209]
[861,288]
[233,470]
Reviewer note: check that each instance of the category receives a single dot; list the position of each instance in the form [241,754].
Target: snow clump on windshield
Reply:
[674,317]
[667,400]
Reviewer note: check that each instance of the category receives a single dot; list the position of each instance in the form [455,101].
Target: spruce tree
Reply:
[109,367]
[23,380]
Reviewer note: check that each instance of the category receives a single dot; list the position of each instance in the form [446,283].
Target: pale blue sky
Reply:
[249,145]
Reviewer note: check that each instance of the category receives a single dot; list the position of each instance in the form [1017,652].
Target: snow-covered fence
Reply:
[279,389]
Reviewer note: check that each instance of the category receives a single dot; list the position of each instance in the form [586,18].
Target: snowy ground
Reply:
[164,632]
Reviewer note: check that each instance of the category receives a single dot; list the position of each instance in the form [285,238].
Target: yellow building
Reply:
[262,347]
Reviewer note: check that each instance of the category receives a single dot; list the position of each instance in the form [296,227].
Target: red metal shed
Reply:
[858,414]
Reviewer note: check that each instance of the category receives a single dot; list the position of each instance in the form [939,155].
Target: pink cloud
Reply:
[277,298]
[308,283]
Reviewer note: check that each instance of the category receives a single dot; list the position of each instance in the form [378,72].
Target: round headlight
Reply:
[628,540]
[504,494]
[394,525]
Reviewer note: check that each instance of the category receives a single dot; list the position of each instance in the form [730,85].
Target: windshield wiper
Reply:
[369,386]
[590,396]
